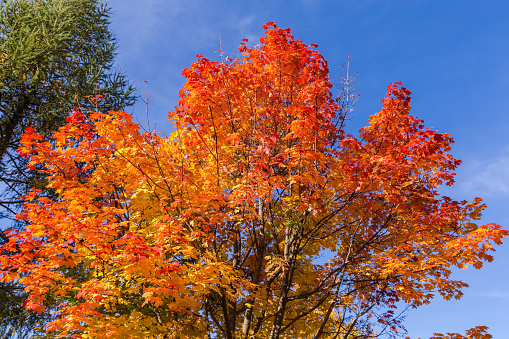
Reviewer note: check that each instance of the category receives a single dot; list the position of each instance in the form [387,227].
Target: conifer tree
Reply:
[54,54]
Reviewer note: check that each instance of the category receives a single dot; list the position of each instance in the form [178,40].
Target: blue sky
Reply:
[453,56]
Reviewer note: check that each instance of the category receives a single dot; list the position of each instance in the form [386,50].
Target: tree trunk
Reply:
[260,253]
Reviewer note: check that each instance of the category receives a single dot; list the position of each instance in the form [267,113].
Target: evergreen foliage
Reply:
[54,54]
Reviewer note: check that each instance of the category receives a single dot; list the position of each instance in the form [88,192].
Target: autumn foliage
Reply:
[258,217]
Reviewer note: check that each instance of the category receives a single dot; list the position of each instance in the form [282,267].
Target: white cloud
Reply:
[493,294]
[486,178]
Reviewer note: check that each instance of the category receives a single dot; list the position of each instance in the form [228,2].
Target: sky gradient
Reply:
[453,56]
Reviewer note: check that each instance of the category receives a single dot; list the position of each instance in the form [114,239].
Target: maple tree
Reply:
[257,217]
